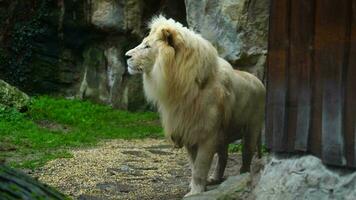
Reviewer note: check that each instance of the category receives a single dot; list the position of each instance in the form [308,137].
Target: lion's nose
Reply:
[127,56]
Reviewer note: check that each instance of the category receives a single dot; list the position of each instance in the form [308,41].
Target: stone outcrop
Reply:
[237,28]
[12,97]
[233,188]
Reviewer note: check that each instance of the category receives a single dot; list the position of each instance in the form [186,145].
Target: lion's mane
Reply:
[184,84]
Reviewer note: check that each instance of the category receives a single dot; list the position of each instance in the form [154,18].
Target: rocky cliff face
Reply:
[76,47]
[237,28]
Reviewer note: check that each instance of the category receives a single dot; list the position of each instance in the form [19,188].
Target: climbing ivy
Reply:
[16,56]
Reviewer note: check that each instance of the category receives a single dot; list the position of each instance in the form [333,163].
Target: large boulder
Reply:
[286,177]
[304,178]
[237,28]
[12,97]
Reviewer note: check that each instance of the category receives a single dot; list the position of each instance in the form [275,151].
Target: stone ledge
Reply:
[233,187]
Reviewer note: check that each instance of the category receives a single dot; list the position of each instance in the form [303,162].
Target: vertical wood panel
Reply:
[350,96]
[314,142]
[302,30]
[276,74]
[311,79]
[331,28]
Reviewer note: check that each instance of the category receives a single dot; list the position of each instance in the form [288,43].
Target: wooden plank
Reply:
[299,98]
[292,82]
[350,96]
[276,74]
[331,29]
[314,144]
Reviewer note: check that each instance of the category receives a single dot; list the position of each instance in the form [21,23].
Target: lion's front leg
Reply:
[218,173]
[200,168]
[192,154]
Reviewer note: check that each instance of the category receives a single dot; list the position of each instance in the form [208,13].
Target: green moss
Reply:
[12,97]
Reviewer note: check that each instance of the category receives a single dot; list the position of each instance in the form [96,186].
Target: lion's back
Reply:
[247,93]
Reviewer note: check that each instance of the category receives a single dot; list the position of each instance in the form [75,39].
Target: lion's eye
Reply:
[147,46]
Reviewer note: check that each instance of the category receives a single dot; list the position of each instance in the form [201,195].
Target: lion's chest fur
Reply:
[187,124]
[197,115]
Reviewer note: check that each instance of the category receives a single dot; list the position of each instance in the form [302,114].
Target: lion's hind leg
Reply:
[250,139]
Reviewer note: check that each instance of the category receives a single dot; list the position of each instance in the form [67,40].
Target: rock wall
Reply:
[76,47]
[237,28]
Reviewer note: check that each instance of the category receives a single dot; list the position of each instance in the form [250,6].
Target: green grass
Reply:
[54,125]
[237,148]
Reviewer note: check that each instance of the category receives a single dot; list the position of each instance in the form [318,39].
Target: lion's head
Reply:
[142,58]
[172,58]
[163,39]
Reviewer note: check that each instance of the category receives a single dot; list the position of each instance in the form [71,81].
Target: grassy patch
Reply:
[53,125]
[237,148]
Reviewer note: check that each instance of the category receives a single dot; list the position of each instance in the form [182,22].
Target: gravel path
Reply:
[124,169]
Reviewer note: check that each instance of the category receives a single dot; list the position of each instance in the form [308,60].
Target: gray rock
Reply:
[304,178]
[113,15]
[141,154]
[237,28]
[160,152]
[107,14]
[126,168]
[12,97]
[232,188]
[114,187]
[95,81]
[104,79]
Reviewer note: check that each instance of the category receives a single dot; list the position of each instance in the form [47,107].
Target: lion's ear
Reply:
[169,36]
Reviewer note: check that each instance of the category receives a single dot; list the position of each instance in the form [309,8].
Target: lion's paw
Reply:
[213,181]
[196,189]
[191,193]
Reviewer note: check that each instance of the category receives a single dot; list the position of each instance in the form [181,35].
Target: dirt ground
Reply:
[125,169]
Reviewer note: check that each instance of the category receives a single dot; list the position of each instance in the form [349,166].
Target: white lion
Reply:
[204,103]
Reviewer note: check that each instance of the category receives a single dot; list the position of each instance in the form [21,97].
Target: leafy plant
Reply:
[233,148]
[16,55]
